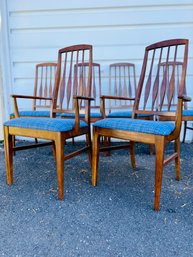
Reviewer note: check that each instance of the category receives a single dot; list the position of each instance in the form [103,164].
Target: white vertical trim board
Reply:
[118,30]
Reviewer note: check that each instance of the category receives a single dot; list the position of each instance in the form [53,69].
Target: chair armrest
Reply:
[104,97]
[117,97]
[83,98]
[185,98]
[15,105]
[77,111]
[31,97]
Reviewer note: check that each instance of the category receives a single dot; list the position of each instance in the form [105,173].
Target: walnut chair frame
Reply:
[57,130]
[150,93]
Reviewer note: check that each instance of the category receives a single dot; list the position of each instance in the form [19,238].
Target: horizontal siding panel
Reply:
[103,37]
[23,5]
[125,18]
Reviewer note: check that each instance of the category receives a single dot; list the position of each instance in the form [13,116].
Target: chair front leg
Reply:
[95,157]
[59,146]
[8,146]
[159,151]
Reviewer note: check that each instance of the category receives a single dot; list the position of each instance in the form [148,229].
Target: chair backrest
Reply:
[178,72]
[44,84]
[122,82]
[96,81]
[71,81]
[161,82]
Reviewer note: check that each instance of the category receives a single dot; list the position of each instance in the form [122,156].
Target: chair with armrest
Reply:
[67,91]
[83,69]
[42,94]
[43,90]
[151,93]
[187,114]
[122,83]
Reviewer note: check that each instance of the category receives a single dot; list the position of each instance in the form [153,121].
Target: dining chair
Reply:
[42,93]
[95,114]
[151,93]
[122,83]
[187,114]
[55,129]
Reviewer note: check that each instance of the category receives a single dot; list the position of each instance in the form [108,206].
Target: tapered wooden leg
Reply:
[95,157]
[89,144]
[177,159]
[54,150]
[59,144]
[132,154]
[107,142]
[159,150]
[184,134]
[8,145]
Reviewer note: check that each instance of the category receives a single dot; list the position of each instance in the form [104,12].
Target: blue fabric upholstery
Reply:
[187,113]
[51,124]
[124,114]
[33,114]
[136,125]
[82,115]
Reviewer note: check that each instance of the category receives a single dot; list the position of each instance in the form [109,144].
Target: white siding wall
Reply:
[119,30]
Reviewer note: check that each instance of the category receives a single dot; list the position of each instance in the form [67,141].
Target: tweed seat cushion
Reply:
[187,113]
[82,115]
[124,114]
[51,124]
[135,125]
[33,114]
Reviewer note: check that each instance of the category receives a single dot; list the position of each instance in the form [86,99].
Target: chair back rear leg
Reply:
[132,154]
[184,133]
[89,144]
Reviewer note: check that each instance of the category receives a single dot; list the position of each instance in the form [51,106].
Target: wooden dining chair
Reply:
[151,93]
[187,114]
[95,114]
[42,93]
[122,83]
[55,129]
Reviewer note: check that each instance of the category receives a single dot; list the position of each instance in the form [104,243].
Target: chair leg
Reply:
[107,142]
[184,134]
[59,145]
[95,158]
[159,151]
[132,154]
[177,159]
[89,144]
[8,145]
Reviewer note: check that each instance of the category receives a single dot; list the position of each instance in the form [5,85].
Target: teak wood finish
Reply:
[95,88]
[43,87]
[69,94]
[42,94]
[150,98]
[185,118]
[122,83]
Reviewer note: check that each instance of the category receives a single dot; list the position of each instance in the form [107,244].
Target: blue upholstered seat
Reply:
[82,115]
[33,114]
[51,124]
[187,113]
[124,114]
[135,125]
